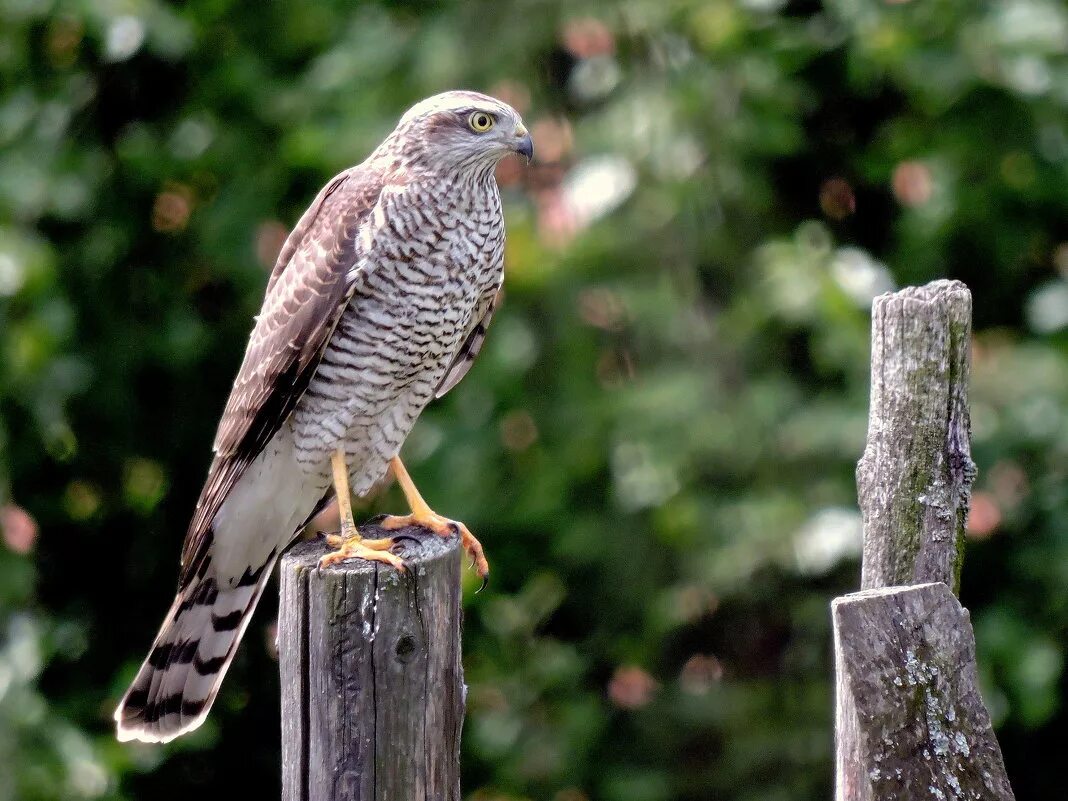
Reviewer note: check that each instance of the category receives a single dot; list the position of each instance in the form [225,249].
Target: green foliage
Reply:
[656,446]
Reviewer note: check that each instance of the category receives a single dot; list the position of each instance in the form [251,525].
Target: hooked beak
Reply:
[524,145]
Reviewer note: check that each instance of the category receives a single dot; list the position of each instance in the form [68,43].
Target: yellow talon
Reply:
[348,543]
[423,515]
[355,547]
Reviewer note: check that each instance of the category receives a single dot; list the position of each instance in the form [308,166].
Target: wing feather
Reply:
[472,343]
[308,290]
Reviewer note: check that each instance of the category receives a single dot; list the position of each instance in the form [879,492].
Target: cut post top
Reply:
[415,545]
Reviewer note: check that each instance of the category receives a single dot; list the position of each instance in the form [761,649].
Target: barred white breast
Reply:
[435,256]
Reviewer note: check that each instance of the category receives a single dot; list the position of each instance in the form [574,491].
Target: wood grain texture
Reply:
[906,658]
[909,720]
[372,682]
[914,479]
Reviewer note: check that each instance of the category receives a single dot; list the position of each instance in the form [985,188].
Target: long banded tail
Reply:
[177,683]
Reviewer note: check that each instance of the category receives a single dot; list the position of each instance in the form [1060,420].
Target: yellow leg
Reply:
[423,515]
[344,496]
[349,544]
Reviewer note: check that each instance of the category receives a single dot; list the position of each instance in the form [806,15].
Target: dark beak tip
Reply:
[525,147]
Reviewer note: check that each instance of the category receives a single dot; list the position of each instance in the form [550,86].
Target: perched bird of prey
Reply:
[378,302]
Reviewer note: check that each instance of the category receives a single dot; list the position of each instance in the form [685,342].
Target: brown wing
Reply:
[472,343]
[308,289]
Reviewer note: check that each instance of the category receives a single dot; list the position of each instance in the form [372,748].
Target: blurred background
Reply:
[657,445]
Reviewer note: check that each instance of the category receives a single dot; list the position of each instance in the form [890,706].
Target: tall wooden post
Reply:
[910,722]
[372,682]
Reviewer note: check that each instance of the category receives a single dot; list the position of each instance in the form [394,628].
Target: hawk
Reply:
[378,302]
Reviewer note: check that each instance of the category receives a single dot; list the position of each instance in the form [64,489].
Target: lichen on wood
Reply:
[905,656]
[910,723]
[914,479]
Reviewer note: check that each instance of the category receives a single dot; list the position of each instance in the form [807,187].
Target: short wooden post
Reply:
[372,682]
[910,722]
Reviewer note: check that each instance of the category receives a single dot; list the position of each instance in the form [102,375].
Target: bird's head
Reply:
[463,130]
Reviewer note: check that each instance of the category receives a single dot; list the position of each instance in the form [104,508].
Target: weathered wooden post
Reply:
[372,682]
[910,722]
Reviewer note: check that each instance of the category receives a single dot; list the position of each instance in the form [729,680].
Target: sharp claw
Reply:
[398,543]
[442,527]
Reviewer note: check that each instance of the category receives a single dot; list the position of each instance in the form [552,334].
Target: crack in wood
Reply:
[371,675]
[910,722]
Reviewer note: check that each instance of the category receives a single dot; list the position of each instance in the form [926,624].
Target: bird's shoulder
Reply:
[329,225]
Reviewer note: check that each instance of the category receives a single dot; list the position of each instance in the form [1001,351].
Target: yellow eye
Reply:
[480,121]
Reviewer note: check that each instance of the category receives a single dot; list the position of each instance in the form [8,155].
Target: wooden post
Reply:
[372,682]
[910,722]
[905,658]
[915,477]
